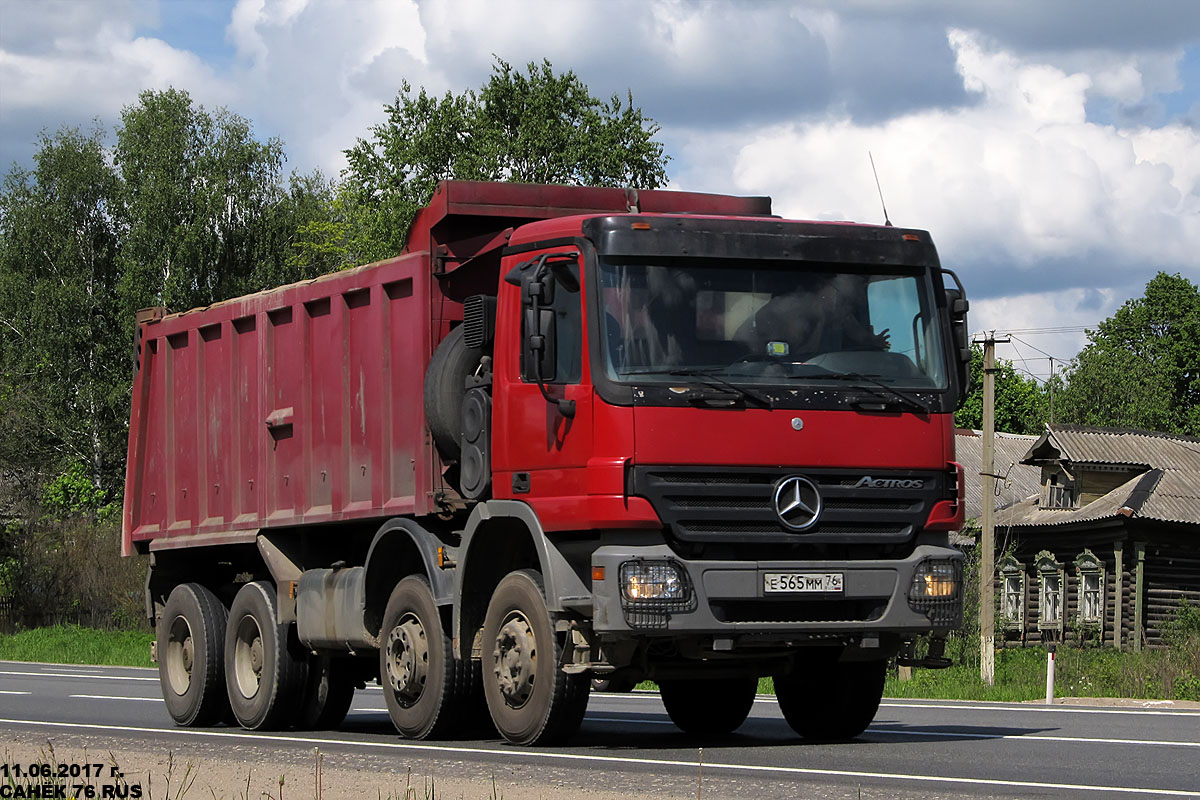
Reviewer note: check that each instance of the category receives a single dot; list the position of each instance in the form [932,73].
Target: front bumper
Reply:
[728,597]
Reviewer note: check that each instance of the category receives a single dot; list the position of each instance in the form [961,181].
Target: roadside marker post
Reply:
[1050,674]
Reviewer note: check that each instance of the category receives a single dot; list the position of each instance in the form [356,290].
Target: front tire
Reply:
[191,668]
[423,683]
[531,700]
[829,700]
[708,706]
[263,673]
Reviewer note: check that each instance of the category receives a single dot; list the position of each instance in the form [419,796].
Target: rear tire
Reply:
[531,700]
[424,686]
[829,700]
[264,673]
[328,693]
[191,668]
[708,706]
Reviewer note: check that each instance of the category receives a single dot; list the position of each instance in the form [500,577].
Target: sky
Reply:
[1051,148]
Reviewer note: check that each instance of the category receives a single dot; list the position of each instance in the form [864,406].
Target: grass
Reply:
[1021,675]
[73,644]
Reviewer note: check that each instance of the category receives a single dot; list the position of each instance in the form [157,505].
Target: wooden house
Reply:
[1109,545]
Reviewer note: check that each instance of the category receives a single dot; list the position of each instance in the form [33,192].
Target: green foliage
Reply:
[72,644]
[536,126]
[1022,406]
[207,215]
[72,492]
[63,364]
[1141,368]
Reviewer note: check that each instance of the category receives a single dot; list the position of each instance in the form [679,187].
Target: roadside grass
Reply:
[1172,674]
[74,644]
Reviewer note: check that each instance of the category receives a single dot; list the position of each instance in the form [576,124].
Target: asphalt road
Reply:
[628,744]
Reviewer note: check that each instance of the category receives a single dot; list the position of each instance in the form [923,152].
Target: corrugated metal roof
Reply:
[1114,446]
[1167,491]
[1022,480]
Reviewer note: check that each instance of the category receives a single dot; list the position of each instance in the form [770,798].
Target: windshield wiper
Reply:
[873,387]
[709,379]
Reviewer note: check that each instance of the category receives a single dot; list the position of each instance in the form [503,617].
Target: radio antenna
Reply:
[886,221]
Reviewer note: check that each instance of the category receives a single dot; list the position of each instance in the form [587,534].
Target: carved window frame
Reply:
[1012,587]
[1088,566]
[1050,573]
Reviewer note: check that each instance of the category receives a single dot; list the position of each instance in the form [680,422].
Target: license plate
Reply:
[780,582]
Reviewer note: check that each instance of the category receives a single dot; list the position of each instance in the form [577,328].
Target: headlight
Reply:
[936,579]
[652,580]
[936,592]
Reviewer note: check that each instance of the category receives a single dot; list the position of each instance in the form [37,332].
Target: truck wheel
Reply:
[422,681]
[829,700]
[263,673]
[191,669]
[708,706]
[531,700]
[328,692]
[445,386]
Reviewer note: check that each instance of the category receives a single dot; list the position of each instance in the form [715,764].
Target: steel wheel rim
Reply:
[180,656]
[407,660]
[514,659]
[248,656]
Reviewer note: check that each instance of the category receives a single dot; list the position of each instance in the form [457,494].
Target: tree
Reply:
[1021,405]
[1141,366]
[536,126]
[63,372]
[188,209]
[206,211]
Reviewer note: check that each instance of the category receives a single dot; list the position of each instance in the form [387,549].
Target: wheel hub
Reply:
[515,659]
[249,658]
[180,655]
[407,659]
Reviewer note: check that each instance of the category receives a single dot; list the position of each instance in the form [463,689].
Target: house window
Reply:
[1050,602]
[1091,588]
[1060,494]
[1012,593]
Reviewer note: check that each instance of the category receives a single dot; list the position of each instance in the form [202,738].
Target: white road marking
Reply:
[1047,709]
[79,675]
[9,691]
[935,733]
[113,697]
[542,755]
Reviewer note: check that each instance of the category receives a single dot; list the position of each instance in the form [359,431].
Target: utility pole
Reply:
[987,545]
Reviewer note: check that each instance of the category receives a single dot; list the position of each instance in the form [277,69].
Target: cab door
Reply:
[540,450]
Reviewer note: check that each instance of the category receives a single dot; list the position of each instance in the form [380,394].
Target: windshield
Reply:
[765,323]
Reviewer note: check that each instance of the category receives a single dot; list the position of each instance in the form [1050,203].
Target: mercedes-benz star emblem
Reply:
[797,502]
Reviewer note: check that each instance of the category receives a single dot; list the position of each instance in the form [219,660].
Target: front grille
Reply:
[712,505]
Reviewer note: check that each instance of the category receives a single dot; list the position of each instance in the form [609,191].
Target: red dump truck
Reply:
[569,434]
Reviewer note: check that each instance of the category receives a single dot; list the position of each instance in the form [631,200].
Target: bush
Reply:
[70,570]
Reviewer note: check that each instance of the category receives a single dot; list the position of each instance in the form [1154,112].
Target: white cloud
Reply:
[1020,191]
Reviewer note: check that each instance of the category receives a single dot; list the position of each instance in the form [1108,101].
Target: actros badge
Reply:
[797,502]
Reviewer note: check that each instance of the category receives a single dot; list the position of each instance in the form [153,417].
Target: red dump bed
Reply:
[303,405]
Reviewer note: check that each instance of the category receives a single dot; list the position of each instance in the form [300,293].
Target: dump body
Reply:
[297,406]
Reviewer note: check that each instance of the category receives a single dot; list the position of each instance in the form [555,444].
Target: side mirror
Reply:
[539,281]
[956,307]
